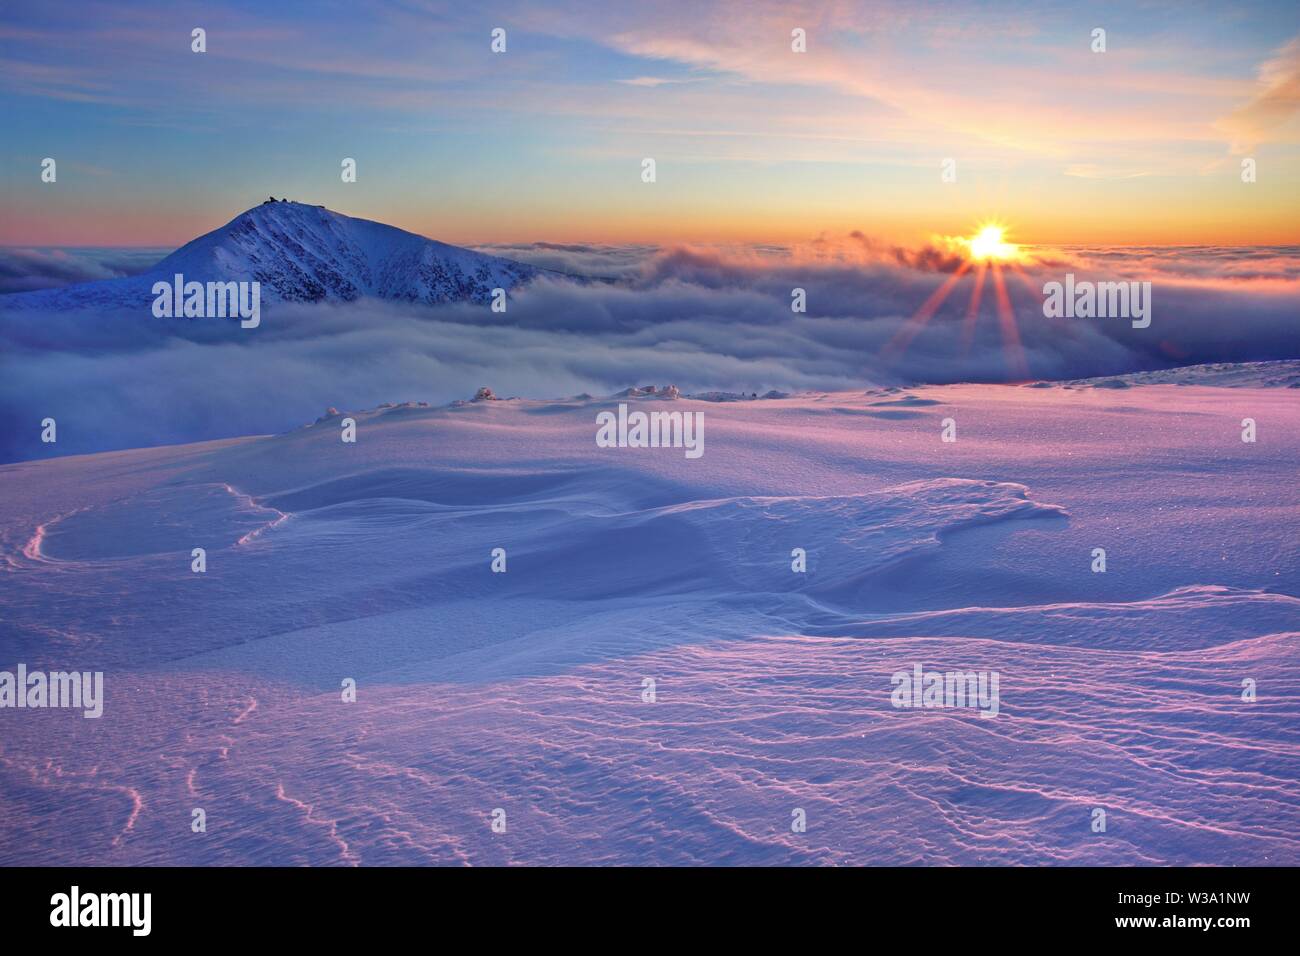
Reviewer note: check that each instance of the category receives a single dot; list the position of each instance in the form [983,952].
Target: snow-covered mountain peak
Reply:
[305,253]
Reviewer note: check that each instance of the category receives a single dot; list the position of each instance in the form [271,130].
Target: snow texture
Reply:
[523,690]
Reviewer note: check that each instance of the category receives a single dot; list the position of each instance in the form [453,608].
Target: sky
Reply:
[753,142]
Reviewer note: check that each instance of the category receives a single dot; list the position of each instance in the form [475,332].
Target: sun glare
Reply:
[989,258]
[990,243]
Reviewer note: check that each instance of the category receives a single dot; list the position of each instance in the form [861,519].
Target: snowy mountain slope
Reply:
[523,689]
[302,253]
[1273,374]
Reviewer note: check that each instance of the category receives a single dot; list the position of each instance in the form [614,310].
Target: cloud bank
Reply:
[28,269]
[700,318]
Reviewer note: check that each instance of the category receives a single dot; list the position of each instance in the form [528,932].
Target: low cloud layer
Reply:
[700,318]
[24,270]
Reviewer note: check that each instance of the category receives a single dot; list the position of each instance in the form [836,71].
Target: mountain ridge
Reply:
[305,253]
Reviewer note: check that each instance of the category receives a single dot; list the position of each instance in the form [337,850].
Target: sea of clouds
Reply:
[28,269]
[703,318]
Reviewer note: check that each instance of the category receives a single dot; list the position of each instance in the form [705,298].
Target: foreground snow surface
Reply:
[523,691]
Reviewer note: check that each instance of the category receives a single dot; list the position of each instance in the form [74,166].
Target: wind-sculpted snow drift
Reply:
[523,690]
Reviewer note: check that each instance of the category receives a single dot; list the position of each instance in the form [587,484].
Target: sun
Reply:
[989,257]
[990,244]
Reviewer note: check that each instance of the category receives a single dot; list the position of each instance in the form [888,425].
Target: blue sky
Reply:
[753,142]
